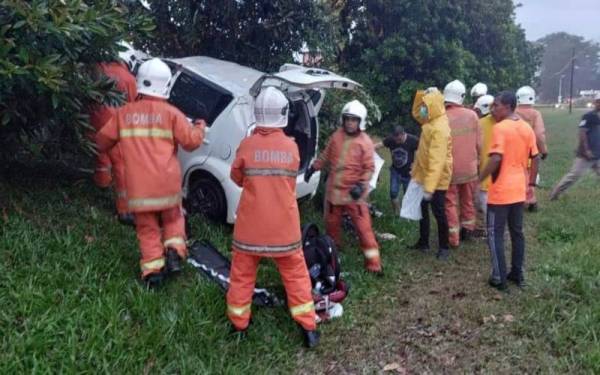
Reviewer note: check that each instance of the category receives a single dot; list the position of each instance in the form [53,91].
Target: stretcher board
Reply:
[213,265]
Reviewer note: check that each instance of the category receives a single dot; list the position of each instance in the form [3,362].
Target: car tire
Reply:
[206,197]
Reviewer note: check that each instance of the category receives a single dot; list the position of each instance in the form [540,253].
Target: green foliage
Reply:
[558,51]
[48,50]
[260,34]
[395,47]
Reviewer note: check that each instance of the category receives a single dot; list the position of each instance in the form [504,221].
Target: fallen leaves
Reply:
[395,366]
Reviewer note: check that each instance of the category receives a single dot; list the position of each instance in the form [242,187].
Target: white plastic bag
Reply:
[378,165]
[411,203]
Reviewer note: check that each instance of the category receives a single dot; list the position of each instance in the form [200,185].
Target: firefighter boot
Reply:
[173,261]
[311,338]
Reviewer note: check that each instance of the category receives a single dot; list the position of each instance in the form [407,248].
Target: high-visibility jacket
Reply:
[432,167]
[466,143]
[148,132]
[268,220]
[534,118]
[487,127]
[349,160]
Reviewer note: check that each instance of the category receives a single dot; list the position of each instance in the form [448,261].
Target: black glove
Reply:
[308,174]
[357,191]
[544,156]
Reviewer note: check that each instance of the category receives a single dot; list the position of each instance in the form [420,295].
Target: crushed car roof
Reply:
[234,77]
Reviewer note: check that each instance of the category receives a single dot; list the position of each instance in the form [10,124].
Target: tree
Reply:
[556,63]
[48,81]
[394,47]
[260,34]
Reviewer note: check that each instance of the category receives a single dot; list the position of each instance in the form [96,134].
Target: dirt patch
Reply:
[442,318]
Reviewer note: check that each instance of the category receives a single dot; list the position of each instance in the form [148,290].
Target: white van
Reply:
[223,94]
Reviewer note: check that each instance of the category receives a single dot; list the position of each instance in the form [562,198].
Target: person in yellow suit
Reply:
[432,167]
[483,108]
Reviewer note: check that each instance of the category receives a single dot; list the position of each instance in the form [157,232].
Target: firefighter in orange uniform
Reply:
[268,221]
[349,159]
[466,146]
[148,132]
[110,164]
[527,112]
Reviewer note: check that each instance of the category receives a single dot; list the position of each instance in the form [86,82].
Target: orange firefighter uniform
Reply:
[148,132]
[110,163]
[349,160]
[534,118]
[268,225]
[466,145]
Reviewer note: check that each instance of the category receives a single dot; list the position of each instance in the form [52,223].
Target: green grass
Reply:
[70,300]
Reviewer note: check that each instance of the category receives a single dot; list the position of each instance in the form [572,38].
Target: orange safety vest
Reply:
[148,132]
[466,143]
[349,160]
[268,220]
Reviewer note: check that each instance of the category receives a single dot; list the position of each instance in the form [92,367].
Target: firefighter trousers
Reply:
[361,217]
[460,210]
[154,240]
[296,281]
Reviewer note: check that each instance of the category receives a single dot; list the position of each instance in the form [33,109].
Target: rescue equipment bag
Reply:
[323,265]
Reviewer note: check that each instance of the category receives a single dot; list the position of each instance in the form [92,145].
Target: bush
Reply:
[48,81]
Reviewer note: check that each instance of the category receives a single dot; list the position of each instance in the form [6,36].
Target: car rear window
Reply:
[199,98]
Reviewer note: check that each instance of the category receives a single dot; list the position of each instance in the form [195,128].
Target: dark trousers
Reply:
[497,217]
[437,203]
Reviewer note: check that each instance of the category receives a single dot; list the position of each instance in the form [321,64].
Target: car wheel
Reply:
[206,197]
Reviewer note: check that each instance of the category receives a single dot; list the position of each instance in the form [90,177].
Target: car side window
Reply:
[199,98]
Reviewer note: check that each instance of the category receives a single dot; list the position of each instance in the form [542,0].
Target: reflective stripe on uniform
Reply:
[371,253]
[238,310]
[270,172]
[302,309]
[462,131]
[154,202]
[454,229]
[468,222]
[267,248]
[463,179]
[174,241]
[146,132]
[152,265]
[104,169]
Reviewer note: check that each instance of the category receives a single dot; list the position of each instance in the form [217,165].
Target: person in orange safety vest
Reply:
[148,132]
[268,220]
[349,159]
[466,146]
[526,111]
[110,164]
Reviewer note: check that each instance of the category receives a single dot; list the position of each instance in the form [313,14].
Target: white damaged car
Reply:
[223,94]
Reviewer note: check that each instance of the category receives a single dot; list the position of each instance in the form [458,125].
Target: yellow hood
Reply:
[433,100]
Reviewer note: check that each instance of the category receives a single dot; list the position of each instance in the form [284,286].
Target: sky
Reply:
[542,17]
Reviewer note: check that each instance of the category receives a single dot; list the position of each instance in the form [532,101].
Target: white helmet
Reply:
[526,95]
[480,89]
[154,78]
[128,55]
[484,104]
[271,108]
[356,109]
[455,92]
